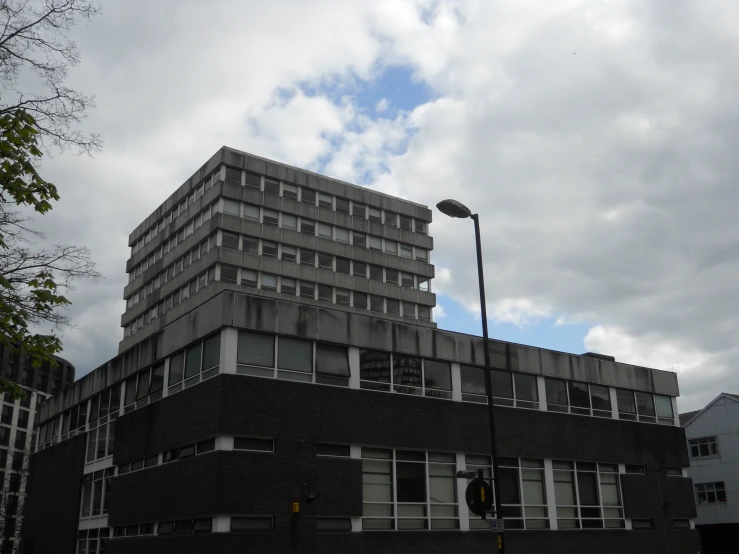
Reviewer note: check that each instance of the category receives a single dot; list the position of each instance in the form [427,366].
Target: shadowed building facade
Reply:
[278,348]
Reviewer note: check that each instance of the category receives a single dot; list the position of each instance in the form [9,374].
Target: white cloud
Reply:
[594,140]
[382,105]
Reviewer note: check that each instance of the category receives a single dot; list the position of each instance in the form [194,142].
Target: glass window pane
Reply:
[526,388]
[556,392]
[625,399]
[502,383]
[256,349]
[579,395]
[157,379]
[473,379]
[211,352]
[664,406]
[437,375]
[644,403]
[332,360]
[411,482]
[510,492]
[587,488]
[176,368]
[295,354]
[406,370]
[374,366]
[192,361]
[600,397]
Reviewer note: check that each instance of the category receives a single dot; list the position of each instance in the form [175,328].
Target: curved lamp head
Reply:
[452,208]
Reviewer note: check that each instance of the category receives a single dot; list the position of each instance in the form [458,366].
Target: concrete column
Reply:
[614,402]
[456,382]
[221,524]
[353,367]
[551,501]
[355,452]
[464,514]
[229,349]
[541,388]
[674,413]
[165,383]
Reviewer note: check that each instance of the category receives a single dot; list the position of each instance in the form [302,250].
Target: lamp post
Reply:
[452,208]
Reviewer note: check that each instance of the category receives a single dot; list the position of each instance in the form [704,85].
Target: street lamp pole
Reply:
[453,208]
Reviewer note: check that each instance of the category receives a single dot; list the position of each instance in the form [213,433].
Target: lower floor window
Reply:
[709,493]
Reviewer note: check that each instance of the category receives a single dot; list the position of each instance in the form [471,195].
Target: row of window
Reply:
[93,541]
[310,258]
[311,227]
[6,437]
[710,493]
[6,417]
[704,447]
[324,293]
[286,190]
[175,268]
[176,238]
[96,493]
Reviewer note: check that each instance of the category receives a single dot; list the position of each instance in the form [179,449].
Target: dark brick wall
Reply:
[53,502]
[297,416]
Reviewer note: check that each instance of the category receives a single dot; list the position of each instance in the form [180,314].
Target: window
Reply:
[587,495]
[421,254]
[374,369]
[7,414]
[269,282]
[409,309]
[359,269]
[308,196]
[325,200]
[375,214]
[406,280]
[437,379]
[270,217]
[251,524]
[556,390]
[307,290]
[251,212]
[326,261]
[423,283]
[230,240]
[325,230]
[289,254]
[269,249]
[325,292]
[577,398]
[626,404]
[343,266]
[287,286]
[342,234]
[332,365]
[641,524]
[375,243]
[360,300]
[271,187]
[405,222]
[473,387]
[342,297]
[408,490]
[342,205]
[231,207]
[406,251]
[680,524]
[307,226]
[253,180]
[392,276]
[359,239]
[663,406]
[636,469]
[289,221]
[377,303]
[642,408]
[249,278]
[294,359]
[391,219]
[229,274]
[256,353]
[710,493]
[307,257]
[376,273]
[674,471]
[523,493]
[234,175]
[703,447]
[358,210]
[391,247]
[393,306]
[289,191]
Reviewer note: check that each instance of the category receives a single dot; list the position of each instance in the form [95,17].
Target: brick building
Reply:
[278,348]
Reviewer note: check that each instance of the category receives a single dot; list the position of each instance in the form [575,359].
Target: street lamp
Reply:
[452,208]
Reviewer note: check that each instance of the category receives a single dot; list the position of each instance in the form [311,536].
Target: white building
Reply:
[713,444]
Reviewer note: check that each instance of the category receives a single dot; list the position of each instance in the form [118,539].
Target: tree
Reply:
[33,280]
[34,40]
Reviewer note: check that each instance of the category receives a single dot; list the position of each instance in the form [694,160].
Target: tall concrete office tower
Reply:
[281,387]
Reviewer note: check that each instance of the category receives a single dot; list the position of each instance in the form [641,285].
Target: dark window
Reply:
[392,276]
[289,254]
[393,306]
[306,290]
[151,461]
[325,200]
[645,407]
[681,524]
[377,303]
[340,450]
[143,385]
[269,249]
[626,404]
[502,387]
[271,187]
[358,210]
[326,261]
[17,464]
[130,391]
[391,219]
[204,525]
[579,397]
[639,469]
[333,524]
[473,384]
[186,451]
[375,272]
[289,191]
[420,226]
[157,379]
[527,394]
[307,257]
[253,180]
[375,367]
[332,365]
[307,226]
[673,471]
[601,400]
[287,286]
[251,245]
[233,175]
[325,292]
[176,368]
[359,239]
[295,354]
[411,482]
[206,446]
[437,378]
[360,300]
[230,240]
[309,196]
[407,374]
[556,395]
[257,445]
[359,269]
[343,266]
[270,217]
[7,414]
[183,526]
[256,349]
[192,360]
[639,524]
[406,280]
[405,222]
[229,273]
[342,205]
[165,528]
[342,297]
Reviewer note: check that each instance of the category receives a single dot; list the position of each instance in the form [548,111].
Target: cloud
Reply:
[596,141]
[381,105]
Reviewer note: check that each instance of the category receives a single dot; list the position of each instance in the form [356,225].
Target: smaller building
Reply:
[713,443]
[17,420]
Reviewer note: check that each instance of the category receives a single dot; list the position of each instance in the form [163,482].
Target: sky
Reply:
[596,139]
